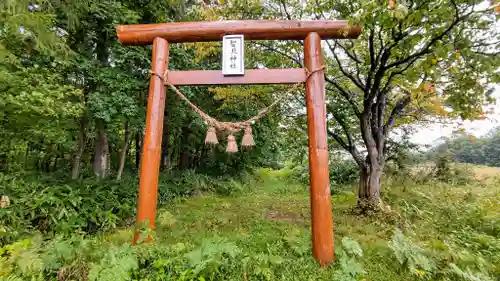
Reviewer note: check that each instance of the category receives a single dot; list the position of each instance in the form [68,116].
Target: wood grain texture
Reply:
[179,32]
[252,76]
[151,148]
[321,205]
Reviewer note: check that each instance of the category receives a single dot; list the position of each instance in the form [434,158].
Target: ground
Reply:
[273,217]
[428,230]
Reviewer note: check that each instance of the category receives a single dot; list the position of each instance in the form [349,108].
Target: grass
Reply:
[273,217]
[483,173]
[268,221]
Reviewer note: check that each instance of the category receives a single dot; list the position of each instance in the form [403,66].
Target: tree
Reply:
[419,53]
[413,60]
[466,148]
[37,107]
[73,96]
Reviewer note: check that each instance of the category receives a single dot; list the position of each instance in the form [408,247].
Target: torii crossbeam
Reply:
[160,35]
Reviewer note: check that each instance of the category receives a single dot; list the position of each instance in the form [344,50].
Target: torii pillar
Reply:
[160,35]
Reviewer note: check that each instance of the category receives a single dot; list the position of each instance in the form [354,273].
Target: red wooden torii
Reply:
[160,35]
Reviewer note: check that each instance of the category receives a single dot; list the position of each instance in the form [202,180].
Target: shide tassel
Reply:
[247,140]
[211,138]
[231,144]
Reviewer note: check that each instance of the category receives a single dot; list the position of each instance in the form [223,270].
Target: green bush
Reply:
[49,207]
[461,230]
[67,258]
[423,265]
[342,173]
[348,256]
[174,184]
[55,205]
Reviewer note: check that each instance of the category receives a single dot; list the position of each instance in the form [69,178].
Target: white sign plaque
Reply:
[233,56]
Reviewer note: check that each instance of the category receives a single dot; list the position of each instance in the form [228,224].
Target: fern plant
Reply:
[114,265]
[210,258]
[410,256]
[261,265]
[456,272]
[350,268]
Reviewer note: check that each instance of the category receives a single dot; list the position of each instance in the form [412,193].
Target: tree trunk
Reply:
[164,146]
[75,172]
[184,153]
[26,155]
[369,187]
[138,150]
[123,152]
[101,154]
[54,167]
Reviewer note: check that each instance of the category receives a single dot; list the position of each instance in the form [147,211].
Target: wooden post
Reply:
[312,32]
[151,148]
[321,208]
[180,32]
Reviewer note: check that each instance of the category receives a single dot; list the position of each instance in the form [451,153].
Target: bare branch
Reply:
[396,112]
[372,58]
[346,95]
[495,54]
[289,17]
[348,75]
[338,139]
[395,73]
[350,55]
[270,48]
[381,60]
[350,145]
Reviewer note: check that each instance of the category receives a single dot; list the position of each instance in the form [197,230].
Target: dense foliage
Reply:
[72,96]
[484,150]
[72,114]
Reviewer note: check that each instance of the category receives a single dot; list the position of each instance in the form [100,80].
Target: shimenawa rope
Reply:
[231,127]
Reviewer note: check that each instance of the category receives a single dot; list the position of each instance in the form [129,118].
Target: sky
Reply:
[433,134]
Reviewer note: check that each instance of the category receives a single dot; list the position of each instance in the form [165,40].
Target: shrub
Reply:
[342,173]
[446,170]
[90,258]
[350,269]
[67,258]
[88,206]
[410,256]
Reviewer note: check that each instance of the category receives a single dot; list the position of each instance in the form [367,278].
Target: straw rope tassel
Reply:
[211,138]
[233,127]
[247,140]
[231,144]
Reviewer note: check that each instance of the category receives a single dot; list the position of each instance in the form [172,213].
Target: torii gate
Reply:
[160,35]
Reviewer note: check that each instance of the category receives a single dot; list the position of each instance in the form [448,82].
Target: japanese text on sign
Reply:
[233,55]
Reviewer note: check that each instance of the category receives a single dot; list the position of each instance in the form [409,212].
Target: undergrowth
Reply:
[49,205]
[256,228]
